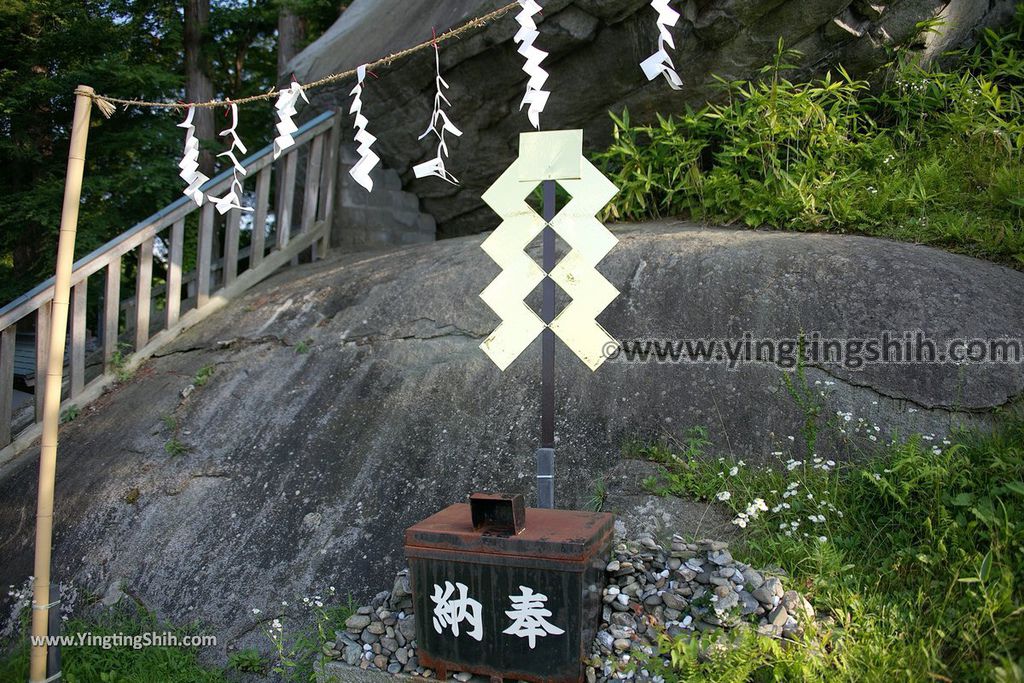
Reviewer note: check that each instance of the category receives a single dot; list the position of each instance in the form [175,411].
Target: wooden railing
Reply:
[301,220]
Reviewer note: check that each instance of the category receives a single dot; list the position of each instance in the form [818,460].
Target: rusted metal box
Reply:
[517,601]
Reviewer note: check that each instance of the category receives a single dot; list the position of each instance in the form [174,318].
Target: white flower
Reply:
[740,521]
[284,603]
[877,476]
[276,625]
[734,471]
[255,611]
[723,495]
[822,539]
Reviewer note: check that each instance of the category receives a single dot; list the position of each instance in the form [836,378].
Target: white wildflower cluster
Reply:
[822,464]
[753,510]
[21,601]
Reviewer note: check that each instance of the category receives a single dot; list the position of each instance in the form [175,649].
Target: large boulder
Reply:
[595,49]
[349,399]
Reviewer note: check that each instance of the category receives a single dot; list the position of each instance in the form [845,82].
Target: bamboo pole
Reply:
[41,599]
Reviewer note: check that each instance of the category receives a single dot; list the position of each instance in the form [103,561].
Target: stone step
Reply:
[384,216]
[384,178]
[355,195]
[370,219]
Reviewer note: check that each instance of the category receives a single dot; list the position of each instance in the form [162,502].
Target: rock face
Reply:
[348,399]
[595,49]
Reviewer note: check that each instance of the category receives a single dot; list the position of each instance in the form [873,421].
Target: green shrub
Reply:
[916,556]
[934,156]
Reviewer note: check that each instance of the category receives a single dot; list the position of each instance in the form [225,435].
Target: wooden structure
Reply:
[134,327]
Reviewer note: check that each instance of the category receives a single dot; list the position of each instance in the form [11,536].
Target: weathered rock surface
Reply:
[349,400]
[595,49]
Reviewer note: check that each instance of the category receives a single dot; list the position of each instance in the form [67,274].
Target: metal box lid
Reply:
[556,534]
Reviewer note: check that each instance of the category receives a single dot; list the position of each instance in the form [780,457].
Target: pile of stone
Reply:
[381,635]
[689,590]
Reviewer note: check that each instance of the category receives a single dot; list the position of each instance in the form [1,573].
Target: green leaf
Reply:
[986,567]
[963,499]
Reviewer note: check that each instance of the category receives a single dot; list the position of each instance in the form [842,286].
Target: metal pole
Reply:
[41,600]
[546,452]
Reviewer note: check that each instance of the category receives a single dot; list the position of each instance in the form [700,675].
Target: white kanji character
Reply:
[452,612]
[528,616]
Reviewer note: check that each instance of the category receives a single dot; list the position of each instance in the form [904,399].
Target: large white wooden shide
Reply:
[508,592]
[166,299]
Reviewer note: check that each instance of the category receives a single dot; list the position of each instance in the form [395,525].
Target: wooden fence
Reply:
[134,327]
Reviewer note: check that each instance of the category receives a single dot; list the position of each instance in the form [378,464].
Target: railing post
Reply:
[112,312]
[231,247]
[42,344]
[7,342]
[328,183]
[286,195]
[203,273]
[174,259]
[143,292]
[259,220]
[311,191]
[78,304]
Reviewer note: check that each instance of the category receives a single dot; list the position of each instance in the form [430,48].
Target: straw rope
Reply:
[106,104]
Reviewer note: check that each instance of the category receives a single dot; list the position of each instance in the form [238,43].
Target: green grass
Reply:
[932,156]
[916,555]
[203,375]
[119,665]
[175,447]
[248,660]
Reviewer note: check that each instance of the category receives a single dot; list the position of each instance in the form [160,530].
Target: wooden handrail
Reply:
[149,227]
[293,235]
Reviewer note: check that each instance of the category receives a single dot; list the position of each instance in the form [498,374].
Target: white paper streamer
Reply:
[536,97]
[233,199]
[285,111]
[439,125]
[190,160]
[660,63]
[367,159]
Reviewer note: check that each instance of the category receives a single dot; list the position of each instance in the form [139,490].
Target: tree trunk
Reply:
[291,31]
[198,86]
